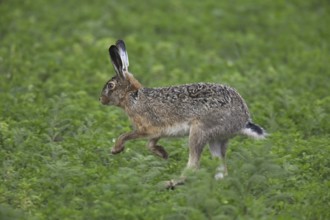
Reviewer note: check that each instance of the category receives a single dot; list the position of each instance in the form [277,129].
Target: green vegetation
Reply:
[55,137]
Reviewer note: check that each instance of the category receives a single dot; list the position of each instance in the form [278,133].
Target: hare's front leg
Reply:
[119,145]
[157,149]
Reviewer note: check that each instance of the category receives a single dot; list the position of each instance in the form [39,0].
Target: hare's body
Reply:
[208,113]
[218,108]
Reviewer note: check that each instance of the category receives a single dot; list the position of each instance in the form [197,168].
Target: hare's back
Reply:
[194,99]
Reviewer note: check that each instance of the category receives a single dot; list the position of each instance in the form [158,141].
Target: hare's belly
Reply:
[178,129]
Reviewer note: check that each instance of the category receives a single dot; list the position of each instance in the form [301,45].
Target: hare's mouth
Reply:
[104,100]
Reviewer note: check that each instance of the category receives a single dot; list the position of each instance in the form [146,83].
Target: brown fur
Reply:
[208,113]
[135,84]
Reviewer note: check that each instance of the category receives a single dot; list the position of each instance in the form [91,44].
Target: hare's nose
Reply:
[104,100]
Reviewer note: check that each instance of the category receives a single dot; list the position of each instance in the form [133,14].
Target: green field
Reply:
[55,136]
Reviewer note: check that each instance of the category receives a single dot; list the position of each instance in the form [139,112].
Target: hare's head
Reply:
[123,83]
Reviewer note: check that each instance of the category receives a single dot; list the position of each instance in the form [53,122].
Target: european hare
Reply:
[208,113]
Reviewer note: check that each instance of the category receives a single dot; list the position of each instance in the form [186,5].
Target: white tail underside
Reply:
[249,132]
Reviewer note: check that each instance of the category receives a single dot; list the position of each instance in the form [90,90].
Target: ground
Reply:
[55,136]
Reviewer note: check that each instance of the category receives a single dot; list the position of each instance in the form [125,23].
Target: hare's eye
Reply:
[111,85]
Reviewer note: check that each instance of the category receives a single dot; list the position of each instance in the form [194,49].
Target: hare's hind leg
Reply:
[218,150]
[197,140]
[157,149]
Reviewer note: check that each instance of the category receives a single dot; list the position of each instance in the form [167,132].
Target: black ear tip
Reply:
[121,44]
[115,56]
[120,41]
[112,48]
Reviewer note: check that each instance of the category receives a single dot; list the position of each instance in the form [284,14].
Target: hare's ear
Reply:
[123,54]
[116,60]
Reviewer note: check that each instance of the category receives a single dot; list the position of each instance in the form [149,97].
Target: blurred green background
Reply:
[55,137]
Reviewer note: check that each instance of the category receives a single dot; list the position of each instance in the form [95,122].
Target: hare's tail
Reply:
[254,131]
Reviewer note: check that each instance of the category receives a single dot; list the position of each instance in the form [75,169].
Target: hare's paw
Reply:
[160,151]
[172,184]
[221,172]
[117,150]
